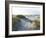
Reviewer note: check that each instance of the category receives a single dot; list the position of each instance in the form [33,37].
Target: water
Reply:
[24,24]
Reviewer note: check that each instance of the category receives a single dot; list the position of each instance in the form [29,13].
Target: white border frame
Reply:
[25,32]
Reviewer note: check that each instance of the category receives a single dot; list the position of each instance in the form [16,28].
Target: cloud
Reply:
[26,10]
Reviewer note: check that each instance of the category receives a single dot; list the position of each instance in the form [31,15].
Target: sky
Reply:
[25,10]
